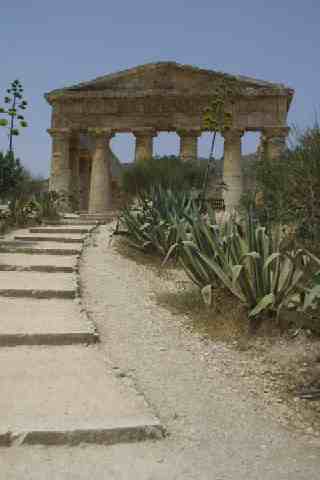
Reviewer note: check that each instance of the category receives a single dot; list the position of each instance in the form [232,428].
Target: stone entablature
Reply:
[153,98]
[125,115]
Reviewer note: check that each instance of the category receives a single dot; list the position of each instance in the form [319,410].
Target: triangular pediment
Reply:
[165,77]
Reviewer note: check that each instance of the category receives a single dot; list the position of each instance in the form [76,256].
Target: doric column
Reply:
[75,173]
[232,174]
[100,196]
[60,175]
[84,170]
[189,144]
[144,144]
[273,141]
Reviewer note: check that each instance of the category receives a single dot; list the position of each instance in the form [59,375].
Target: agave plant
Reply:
[245,260]
[156,220]
[47,205]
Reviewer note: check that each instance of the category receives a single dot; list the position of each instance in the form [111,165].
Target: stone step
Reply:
[47,248]
[37,263]
[37,285]
[56,396]
[62,229]
[99,217]
[35,237]
[28,321]
[76,221]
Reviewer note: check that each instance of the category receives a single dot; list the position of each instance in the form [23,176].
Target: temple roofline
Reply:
[278,88]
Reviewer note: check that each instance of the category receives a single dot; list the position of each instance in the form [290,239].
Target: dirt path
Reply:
[218,428]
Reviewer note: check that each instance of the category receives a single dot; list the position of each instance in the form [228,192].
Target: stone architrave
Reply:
[189,144]
[100,196]
[232,174]
[144,144]
[274,141]
[60,177]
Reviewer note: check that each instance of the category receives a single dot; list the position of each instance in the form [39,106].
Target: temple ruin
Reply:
[145,100]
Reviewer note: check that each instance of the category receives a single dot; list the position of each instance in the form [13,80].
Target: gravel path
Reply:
[217,427]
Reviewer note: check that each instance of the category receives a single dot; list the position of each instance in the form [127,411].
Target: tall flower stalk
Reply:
[14,105]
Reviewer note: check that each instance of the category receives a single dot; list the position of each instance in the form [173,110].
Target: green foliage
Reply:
[288,189]
[245,260]
[13,112]
[24,210]
[169,172]
[218,115]
[47,205]
[154,222]
[12,175]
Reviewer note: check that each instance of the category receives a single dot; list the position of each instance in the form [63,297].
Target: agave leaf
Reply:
[213,265]
[312,256]
[251,256]
[312,297]
[263,304]
[206,293]
[236,270]
[271,259]
[169,253]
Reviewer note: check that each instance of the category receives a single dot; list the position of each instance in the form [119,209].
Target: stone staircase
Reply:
[56,386]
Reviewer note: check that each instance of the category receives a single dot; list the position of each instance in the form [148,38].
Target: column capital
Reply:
[97,132]
[275,132]
[145,132]
[59,132]
[232,134]
[189,132]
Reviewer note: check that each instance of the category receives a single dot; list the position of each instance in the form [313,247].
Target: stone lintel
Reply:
[145,132]
[275,132]
[189,132]
[106,133]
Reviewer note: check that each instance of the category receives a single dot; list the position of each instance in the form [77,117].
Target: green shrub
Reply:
[169,172]
[47,205]
[23,210]
[288,189]
[12,175]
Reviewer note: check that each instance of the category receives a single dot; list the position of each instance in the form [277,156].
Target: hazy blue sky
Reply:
[49,44]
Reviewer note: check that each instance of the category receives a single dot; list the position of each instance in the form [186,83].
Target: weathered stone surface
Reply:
[69,396]
[37,263]
[43,248]
[28,321]
[50,237]
[73,229]
[37,285]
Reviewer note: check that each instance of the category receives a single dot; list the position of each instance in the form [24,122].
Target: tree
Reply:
[15,103]
[12,175]
[287,189]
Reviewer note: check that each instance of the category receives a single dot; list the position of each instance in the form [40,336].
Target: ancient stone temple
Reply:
[145,100]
